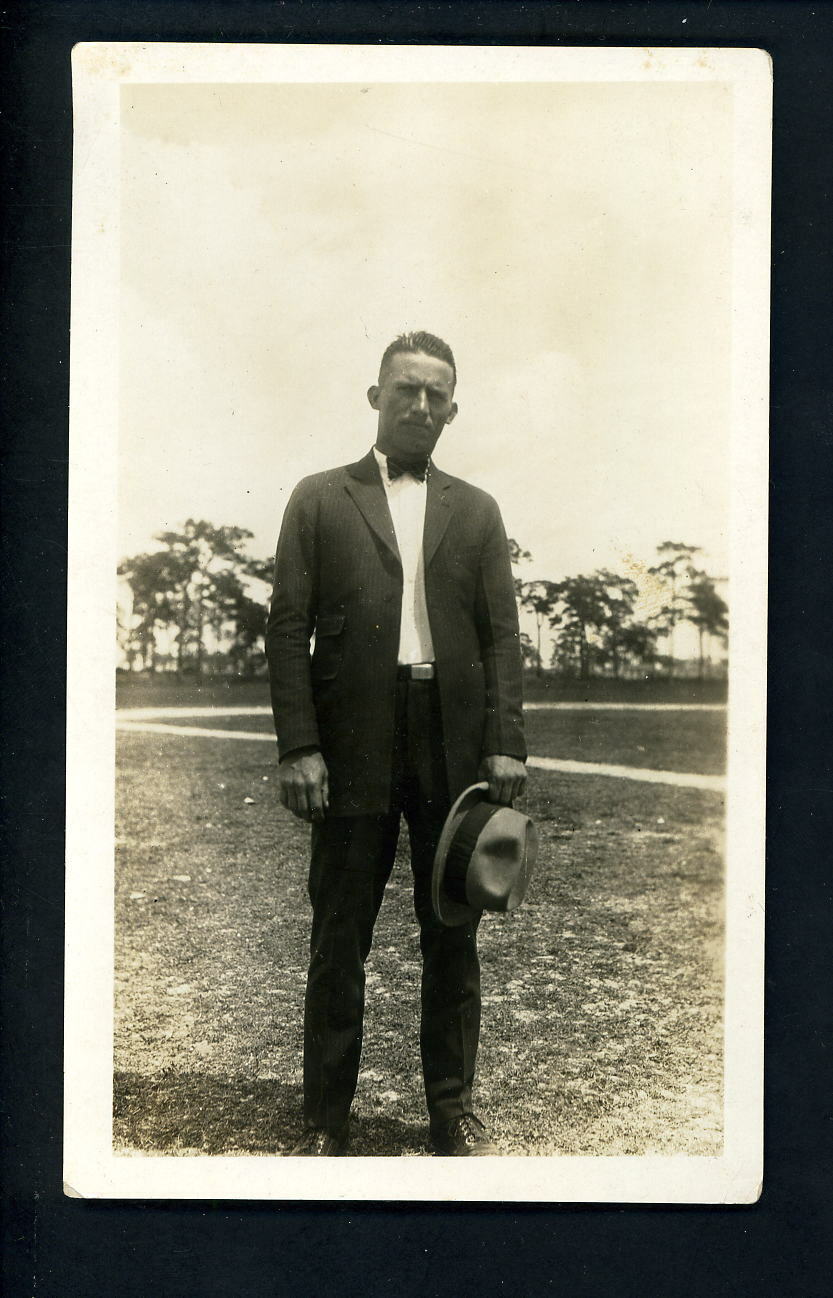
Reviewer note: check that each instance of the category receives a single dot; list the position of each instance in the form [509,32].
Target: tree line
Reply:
[594,624]
[193,605]
[198,605]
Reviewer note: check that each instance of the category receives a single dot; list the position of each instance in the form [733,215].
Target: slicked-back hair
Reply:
[419,341]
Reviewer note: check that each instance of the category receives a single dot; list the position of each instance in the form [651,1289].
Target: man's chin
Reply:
[417,439]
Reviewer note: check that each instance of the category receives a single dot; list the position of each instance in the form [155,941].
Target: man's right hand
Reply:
[304,786]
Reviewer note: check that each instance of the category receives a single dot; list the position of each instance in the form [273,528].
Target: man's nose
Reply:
[420,402]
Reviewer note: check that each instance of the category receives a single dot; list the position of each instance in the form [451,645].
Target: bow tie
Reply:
[418,471]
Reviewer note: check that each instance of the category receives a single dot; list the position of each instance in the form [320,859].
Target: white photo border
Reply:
[91,1168]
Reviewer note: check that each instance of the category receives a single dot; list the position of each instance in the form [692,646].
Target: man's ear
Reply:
[373,396]
[452,412]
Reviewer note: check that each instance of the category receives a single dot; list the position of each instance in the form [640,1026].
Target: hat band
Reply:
[461,847]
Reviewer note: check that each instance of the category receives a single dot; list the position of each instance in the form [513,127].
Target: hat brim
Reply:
[449,912]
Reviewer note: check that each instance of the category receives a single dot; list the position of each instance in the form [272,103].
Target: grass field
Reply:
[602,994]
[678,741]
[138,690]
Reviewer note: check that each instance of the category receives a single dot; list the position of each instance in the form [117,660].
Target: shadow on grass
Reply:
[198,1113]
[171,1112]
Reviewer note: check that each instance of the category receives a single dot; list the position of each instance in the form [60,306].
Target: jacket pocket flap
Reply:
[329,624]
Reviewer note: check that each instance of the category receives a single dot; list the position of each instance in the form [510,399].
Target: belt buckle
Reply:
[422,671]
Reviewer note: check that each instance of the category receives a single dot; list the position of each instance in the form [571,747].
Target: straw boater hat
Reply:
[484,858]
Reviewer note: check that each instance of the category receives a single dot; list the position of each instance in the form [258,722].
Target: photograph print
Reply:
[423,418]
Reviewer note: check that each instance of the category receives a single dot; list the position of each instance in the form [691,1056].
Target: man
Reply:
[412,693]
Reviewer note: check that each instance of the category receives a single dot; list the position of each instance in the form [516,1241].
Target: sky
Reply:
[571,241]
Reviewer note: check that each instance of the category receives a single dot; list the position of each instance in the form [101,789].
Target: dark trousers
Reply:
[352,858]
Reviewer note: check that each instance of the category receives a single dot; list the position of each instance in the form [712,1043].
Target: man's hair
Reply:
[420,341]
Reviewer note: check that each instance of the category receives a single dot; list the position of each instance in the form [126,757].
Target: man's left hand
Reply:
[506,776]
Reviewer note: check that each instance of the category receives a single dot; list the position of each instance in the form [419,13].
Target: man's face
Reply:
[415,401]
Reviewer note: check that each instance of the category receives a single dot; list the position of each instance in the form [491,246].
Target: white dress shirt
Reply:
[406,502]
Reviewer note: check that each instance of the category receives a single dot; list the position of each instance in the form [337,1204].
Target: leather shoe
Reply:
[463,1136]
[317,1142]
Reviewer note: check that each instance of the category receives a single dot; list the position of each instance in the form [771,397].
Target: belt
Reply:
[415,672]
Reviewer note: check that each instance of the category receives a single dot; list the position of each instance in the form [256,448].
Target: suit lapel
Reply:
[437,512]
[365,487]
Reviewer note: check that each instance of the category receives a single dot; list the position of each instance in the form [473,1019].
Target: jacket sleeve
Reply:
[500,646]
[291,621]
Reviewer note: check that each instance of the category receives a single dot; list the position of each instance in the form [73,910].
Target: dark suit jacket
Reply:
[338,574]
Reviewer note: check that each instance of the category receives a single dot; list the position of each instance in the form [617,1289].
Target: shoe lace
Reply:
[471,1129]
[312,1139]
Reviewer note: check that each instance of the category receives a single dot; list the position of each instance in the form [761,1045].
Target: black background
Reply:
[59,1248]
